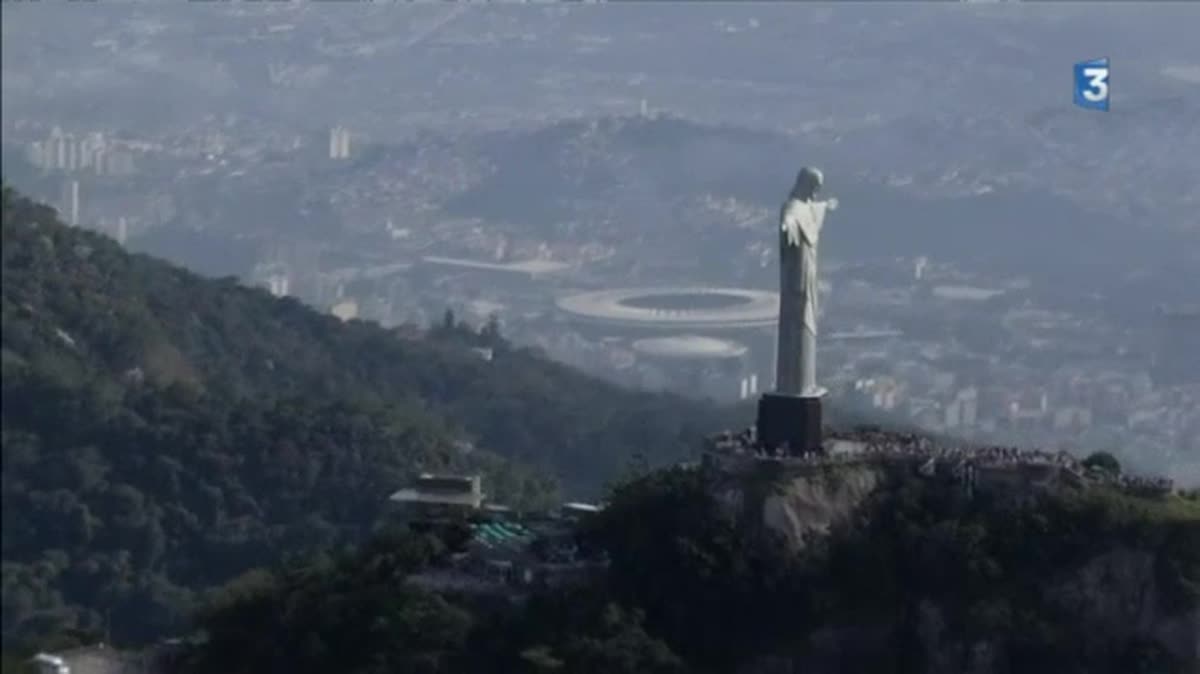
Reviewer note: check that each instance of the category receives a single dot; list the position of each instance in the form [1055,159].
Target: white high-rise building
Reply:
[58,145]
[278,285]
[70,202]
[953,414]
[91,152]
[64,152]
[75,202]
[100,161]
[339,143]
[748,386]
[969,398]
[72,153]
[36,154]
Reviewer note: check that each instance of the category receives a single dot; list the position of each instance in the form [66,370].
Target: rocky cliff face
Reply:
[1116,594]
[810,505]
[799,503]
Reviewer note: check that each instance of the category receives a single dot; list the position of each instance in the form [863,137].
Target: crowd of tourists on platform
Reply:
[877,444]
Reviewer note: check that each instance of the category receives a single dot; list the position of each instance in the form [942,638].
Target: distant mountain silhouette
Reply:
[560,172]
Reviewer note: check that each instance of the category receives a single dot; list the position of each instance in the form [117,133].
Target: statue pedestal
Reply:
[792,419]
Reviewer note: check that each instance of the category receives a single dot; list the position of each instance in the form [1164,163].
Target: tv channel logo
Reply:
[1091,84]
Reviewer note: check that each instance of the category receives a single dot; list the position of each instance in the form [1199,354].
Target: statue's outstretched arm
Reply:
[791,226]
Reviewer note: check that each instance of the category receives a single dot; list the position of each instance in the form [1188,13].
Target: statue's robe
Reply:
[800,232]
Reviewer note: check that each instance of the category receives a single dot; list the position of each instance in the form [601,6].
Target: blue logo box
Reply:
[1091,84]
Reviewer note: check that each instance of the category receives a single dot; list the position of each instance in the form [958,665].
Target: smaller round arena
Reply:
[689,347]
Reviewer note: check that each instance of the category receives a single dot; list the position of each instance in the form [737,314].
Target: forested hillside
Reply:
[163,432]
[923,580]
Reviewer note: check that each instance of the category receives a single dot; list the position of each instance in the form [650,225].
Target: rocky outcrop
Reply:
[799,503]
[809,505]
[1118,595]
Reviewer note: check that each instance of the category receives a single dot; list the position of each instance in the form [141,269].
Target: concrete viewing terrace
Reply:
[867,446]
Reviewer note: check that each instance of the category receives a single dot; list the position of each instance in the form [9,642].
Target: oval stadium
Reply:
[676,307]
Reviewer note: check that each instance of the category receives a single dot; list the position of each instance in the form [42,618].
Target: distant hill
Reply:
[637,171]
[579,161]
[645,177]
[163,432]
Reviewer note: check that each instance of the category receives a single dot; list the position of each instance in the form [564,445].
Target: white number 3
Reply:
[1097,89]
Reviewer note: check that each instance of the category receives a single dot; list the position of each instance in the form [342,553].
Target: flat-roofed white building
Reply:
[441,496]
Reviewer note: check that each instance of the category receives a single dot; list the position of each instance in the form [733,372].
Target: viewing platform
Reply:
[991,465]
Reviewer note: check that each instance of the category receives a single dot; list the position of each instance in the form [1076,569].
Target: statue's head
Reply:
[808,183]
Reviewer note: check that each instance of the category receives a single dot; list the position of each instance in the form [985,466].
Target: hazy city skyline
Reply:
[1017,259]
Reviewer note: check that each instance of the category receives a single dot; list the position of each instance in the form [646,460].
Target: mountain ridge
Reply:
[163,432]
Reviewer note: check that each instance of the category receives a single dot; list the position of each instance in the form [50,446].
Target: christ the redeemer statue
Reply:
[800,225]
[791,415]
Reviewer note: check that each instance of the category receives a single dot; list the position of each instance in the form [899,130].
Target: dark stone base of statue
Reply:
[791,420]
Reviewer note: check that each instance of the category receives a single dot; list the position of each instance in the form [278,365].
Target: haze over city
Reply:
[483,337]
[1028,266]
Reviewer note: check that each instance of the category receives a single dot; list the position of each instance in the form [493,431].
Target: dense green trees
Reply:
[714,588]
[354,613]
[690,590]
[1103,461]
[124,312]
[162,432]
[721,593]
[611,640]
